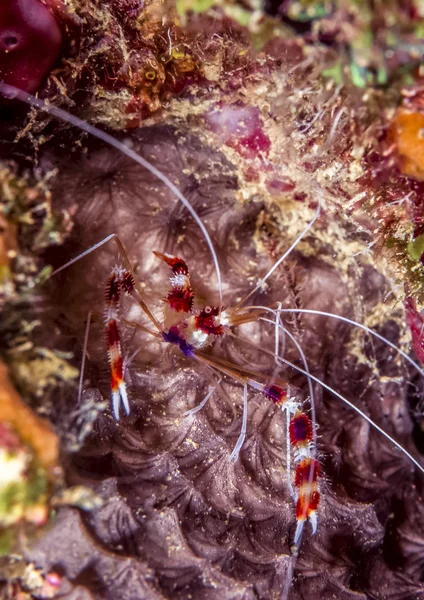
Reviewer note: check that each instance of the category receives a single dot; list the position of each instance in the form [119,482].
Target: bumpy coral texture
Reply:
[30,42]
[178,519]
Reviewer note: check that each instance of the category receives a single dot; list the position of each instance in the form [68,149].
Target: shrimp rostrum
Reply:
[278,351]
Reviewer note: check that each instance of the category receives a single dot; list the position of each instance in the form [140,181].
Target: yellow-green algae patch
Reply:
[29,448]
[23,488]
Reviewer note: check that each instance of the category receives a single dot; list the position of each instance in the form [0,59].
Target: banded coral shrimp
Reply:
[267,470]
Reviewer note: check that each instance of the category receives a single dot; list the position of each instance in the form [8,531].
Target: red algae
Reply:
[241,128]
[415,321]
[281,185]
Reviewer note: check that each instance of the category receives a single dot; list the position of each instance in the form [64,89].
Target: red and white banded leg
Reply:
[180,296]
[120,279]
[300,439]
[307,472]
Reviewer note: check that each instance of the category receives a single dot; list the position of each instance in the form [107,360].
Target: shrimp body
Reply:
[192,331]
[188,329]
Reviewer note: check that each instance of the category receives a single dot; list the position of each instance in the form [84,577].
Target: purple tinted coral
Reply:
[30,43]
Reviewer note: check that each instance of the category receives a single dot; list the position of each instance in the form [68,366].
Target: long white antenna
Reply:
[356,324]
[305,364]
[84,354]
[357,410]
[343,399]
[286,253]
[11,92]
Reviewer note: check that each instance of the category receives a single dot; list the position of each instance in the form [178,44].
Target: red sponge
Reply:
[30,43]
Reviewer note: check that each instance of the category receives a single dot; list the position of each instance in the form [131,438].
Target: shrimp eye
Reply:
[208,310]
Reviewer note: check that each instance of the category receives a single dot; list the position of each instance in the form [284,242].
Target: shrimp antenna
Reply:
[345,401]
[277,357]
[84,355]
[305,363]
[289,577]
[360,412]
[11,92]
[356,324]
[350,322]
[287,252]
[126,260]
